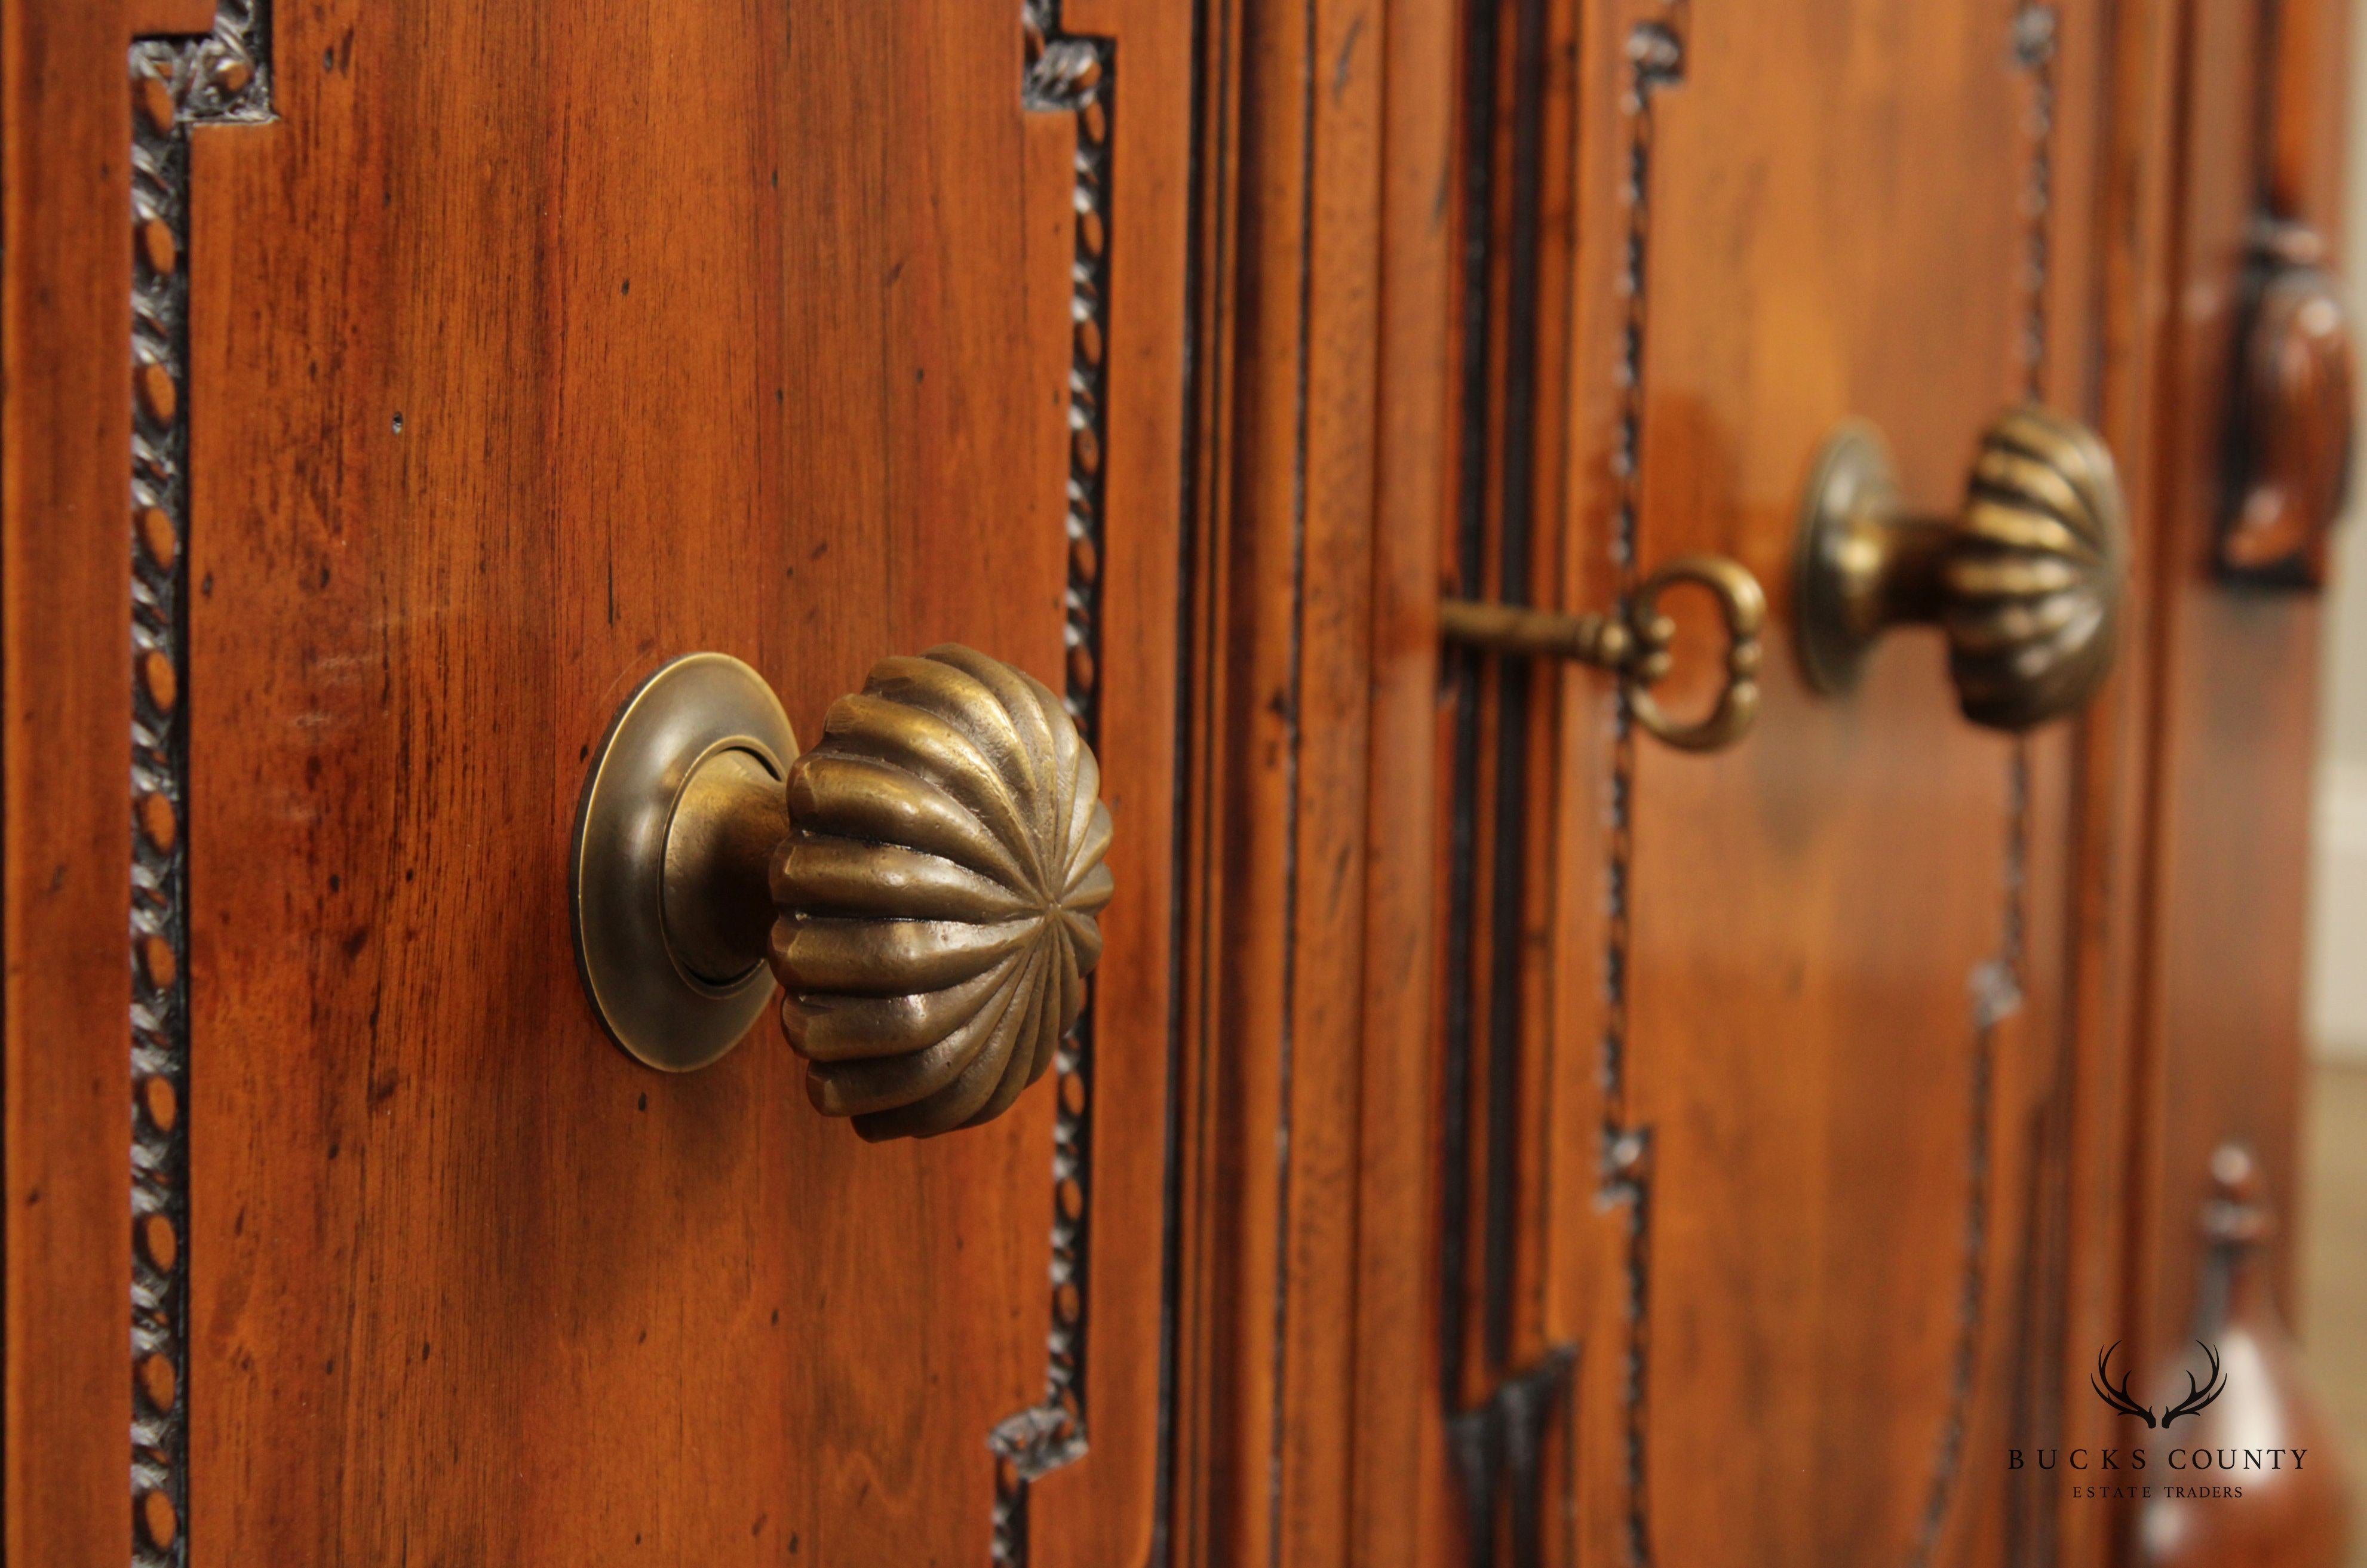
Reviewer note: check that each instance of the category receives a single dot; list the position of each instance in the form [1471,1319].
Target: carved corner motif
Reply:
[1072,74]
[2036,29]
[223,76]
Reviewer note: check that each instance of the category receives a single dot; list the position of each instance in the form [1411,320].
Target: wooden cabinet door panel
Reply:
[1839,1019]
[485,357]
[1834,1044]
[1760,1056]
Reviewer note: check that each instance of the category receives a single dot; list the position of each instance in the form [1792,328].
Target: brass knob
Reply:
[924,885]
[2026,579]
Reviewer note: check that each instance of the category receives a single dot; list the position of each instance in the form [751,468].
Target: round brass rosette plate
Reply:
[690,713]
[1852,494]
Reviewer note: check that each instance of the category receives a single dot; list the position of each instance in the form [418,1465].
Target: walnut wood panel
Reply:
[1110,1509]
[2016,1271]
[1504,1375]
[1400,1482]
[147,19]
[1799,1169]
[2308,121]
[65,690]
[2111,861]
[2019,1166]
[1265,1362]
[512,373]
[2224,1040]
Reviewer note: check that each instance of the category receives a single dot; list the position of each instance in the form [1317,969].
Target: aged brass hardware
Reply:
[1635,646]
[924,884]
[696,718]
[2025,580]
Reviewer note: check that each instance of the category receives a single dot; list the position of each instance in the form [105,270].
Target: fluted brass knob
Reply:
[926,884]
[2026,579]
[938,893]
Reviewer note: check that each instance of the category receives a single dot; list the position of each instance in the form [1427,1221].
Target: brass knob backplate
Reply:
[2025,580]
[653,823]
[924,885]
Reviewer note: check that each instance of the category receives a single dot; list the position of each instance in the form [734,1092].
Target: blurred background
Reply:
[2334,1244]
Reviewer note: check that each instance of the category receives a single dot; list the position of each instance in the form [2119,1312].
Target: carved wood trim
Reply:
[1656,58]
[2290,413]
[222,77]
[1503,1395]
[176,84]
[1072,74]
[1997,983]
[2290,427]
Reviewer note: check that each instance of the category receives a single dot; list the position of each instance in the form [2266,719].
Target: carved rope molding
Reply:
[176,82]
[1995,983]
[1656,58]
[1072,76]
[224,76]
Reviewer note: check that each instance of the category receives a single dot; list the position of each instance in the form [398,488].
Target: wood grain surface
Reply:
[530,350]
[1839,1011]
[2224,1038]
[1500,1141]
[65,693]
[1787,1172]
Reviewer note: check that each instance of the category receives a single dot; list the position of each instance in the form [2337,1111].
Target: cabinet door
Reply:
[483,358]
[1759,1062]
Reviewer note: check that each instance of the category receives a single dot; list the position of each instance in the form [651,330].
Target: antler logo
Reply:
[2117,1395]
[2196,1398]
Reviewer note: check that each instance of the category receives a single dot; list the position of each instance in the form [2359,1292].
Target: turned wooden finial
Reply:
[2235,1508]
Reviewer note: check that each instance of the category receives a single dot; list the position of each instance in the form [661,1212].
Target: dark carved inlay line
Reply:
[176,82]
[1997,991]
[1496,1436]
[1655,55]
[224,76]
[1656,58]
[2034,29]
[1072,76]
[1461,669]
